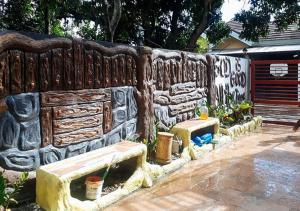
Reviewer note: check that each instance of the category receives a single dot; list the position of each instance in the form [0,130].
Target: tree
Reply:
[256,20]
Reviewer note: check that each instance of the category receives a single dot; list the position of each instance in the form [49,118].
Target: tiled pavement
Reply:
[260,171]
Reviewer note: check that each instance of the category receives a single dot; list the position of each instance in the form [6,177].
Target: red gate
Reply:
[275,90]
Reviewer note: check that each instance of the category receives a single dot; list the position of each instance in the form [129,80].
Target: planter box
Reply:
[237,130]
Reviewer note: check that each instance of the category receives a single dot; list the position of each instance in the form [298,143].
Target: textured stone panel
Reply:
[74,124]
[89,70]
[24,107]
[45,71]
[14,159]
[162,115]
[73,111]
[77,136]
[51,154]
[76,149]
[181,108]
[119,96]
[46,126]
[182,88]
[183,98]
[30,135]
[114,136]
[9,131]
[107,117]
[129,129]
[119,116]
[57,69]
[132,108]
[69,69]
[4,74]
[96,144]
[31,73]
[59,98]
[17,71]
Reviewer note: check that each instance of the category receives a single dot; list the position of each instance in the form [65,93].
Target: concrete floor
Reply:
[259,172]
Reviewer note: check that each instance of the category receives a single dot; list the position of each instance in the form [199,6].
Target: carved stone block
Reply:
[167,76]
[89,70]
[96,144]
[59,98]
[132,107]
[129,68]
[46,126]
[183,98]
[162,98]
[114,71]
[134,73]
[181,108]
[114,136]
[122,70]
[45,71]
[75,124]
[76,149]
[77,136]
[51,154]
[24,107]
[119,116]
[31,72]
[81,110]
[160,75]
[107,117]
[57,69]
[69,69]
[119,96]
[129,129]
[78,64]
[182,88]
[98,66]
[107,71]
[17,71]
[14,159]
[174,71]
[4,74]
[30,135]
[179,73]
[9,131]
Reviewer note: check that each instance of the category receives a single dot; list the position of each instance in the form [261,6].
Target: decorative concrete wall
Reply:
[62,97]
[231,78]
[180,80]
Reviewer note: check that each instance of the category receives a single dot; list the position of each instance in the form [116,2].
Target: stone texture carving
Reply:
[57,69]
[45,71]
[78,64]
[132,108]
[46,126]
[31,73]
[107,117]
[9,131]
[20,160]
[76,149]
[4,74]
[17,71]
[119,96]
[96,144]
[119,116]
[129,129]
[68,69]
[114,136]
[50,154]
[24,107]
[30,137]
[182,88]
[98,67]
[89,70]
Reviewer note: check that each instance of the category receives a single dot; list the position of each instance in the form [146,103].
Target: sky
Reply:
[231,7]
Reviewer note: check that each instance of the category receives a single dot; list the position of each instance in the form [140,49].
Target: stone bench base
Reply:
[53,180]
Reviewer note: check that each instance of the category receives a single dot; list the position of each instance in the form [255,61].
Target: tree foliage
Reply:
[172,24]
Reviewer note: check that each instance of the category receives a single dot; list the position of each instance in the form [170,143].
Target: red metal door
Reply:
[275,90]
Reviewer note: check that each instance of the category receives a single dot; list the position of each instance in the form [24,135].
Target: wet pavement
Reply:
[258,172]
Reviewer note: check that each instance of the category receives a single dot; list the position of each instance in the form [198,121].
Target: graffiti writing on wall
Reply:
[230,78]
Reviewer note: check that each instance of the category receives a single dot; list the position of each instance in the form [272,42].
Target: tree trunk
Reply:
[46,17]
[116,16]
[200,27]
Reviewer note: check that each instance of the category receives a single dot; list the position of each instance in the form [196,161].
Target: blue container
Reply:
[198,141]
[207,138]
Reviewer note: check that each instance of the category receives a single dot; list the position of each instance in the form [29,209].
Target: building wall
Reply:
[231,43]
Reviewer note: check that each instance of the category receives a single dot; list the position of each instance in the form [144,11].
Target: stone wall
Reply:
[231,78]
[62,97]
[180,80]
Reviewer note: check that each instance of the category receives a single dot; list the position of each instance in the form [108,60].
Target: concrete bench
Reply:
[53,180]
[185,129]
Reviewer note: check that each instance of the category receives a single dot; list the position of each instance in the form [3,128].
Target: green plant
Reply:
[9,191]
[232,112]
